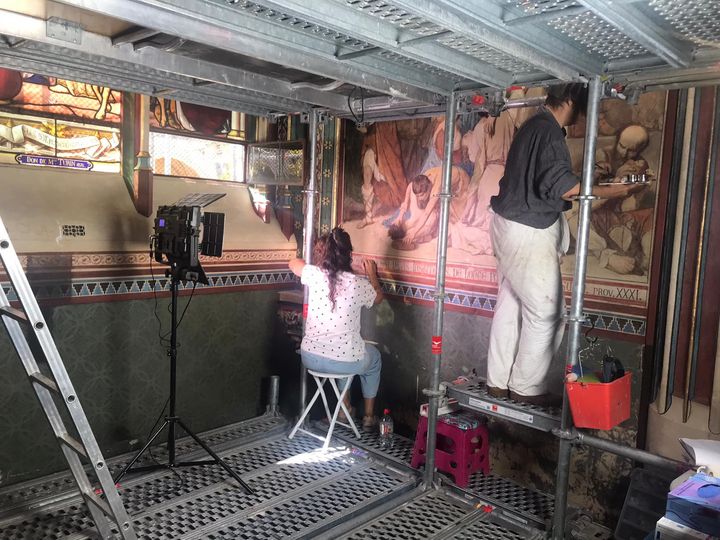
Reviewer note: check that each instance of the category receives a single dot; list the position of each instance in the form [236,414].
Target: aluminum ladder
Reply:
[109,514]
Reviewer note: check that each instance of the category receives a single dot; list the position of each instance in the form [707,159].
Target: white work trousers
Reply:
[527,327]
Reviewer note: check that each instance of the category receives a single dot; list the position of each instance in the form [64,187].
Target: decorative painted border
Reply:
[482,302]
[99,289]
[113,259]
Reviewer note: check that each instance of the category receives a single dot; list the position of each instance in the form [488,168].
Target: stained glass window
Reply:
[171,115]
[193,157]
[26,139]
[22,92]
[46,121]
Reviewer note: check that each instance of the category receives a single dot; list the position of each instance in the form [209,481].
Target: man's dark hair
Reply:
[576,93]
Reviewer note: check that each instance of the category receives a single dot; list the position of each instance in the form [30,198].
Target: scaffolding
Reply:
[412,58]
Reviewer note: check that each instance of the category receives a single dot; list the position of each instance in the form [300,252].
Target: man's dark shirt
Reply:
[537,174]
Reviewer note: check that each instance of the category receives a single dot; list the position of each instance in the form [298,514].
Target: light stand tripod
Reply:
[172,419]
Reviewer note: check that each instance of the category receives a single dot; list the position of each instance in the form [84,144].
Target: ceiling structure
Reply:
[274,57]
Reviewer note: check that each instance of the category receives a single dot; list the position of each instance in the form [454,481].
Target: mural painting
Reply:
[393,174]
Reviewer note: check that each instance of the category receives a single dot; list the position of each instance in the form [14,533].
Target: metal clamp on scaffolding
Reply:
[434,393]
[437,295]
[572,319]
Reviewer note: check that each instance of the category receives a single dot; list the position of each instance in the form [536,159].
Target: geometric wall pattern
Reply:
[609,322]
[138,287]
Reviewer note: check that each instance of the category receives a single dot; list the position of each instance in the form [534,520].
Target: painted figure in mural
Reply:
[409,229]
[620,236]
[410,214]
[436,150]
[382,140]
[530,235]
[487,147]
[332,341]
[371,175]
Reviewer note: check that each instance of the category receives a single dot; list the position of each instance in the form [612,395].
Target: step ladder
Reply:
[108,512]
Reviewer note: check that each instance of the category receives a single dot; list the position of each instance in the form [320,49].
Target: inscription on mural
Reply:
[48,161]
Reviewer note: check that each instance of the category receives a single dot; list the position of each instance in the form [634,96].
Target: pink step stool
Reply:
[462,446]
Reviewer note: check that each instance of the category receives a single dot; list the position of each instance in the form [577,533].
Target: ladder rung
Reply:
[14,314]
[42,380]
[71,443]
[97,501]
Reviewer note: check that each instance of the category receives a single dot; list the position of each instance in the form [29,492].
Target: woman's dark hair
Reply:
[333,253]
[576,93]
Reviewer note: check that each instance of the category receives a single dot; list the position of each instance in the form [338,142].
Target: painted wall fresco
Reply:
[390,206]
[630,139]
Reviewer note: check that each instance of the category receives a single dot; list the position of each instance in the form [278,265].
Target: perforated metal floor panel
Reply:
[401,451]
[299,492]
[474,396]
[533,506]
[61,486]
[523,504]
[438,514]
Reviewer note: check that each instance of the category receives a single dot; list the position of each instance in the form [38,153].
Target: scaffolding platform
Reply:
[352,491]
[474,396]
[527,508]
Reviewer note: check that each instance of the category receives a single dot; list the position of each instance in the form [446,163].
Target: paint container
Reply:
[597,405]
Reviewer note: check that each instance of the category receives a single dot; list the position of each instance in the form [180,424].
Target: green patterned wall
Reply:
[328,174]
[228,347]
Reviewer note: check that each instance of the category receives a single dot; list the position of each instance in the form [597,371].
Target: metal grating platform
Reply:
[401,452]
[598,36]
[696,19]
[423,517]
[474,396]
[438,514]
[520,504]
[405,20]
[300,492]
[61,485]
[535,7]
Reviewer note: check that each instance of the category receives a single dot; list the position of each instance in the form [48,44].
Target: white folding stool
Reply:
[320,380]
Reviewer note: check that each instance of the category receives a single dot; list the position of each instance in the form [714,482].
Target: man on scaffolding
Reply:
[530,235]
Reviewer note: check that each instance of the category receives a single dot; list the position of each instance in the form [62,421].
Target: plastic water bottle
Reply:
[386,438]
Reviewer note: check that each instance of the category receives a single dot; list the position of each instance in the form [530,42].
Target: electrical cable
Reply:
[361,120]
[164,342]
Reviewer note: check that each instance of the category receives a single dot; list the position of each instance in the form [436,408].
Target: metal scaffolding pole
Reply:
[309,232]
[636,454]
[576,309]
[445,195]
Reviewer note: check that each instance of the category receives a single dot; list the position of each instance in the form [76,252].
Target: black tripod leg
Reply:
[217,458]
[141,452]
